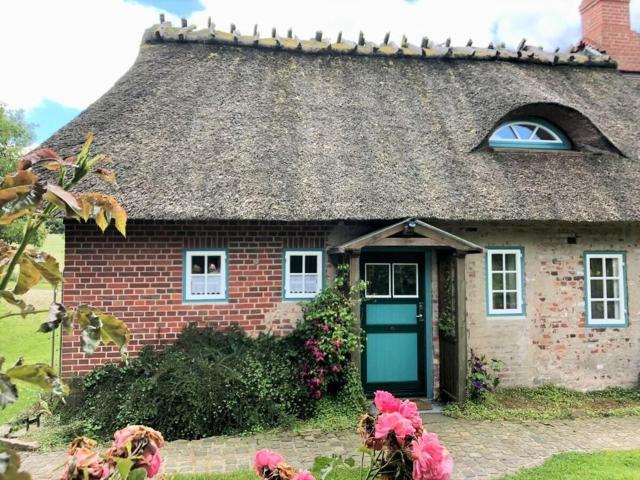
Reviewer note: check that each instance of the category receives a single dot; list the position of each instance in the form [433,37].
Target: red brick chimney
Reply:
[606,25]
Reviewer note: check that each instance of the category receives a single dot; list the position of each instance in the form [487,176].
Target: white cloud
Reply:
[72,51]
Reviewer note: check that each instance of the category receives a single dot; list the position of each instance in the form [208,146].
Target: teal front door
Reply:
[393,319]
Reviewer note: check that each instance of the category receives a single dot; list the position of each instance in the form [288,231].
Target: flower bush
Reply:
[270,465]
[134,454]
[482,376]
[394,440]
[329,333]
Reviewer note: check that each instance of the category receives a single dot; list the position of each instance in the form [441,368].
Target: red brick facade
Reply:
[139,279]
[606,25]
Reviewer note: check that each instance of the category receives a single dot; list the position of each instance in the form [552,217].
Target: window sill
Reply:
[508,316]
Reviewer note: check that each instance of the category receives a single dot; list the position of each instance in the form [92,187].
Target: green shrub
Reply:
[14,232]
[208,383]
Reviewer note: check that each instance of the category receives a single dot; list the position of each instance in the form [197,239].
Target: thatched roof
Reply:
[207,125]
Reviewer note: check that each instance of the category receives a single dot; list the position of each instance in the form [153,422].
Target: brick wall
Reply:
[139,279]
[552,343]
[606,25]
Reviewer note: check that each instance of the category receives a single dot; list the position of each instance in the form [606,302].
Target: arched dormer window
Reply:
[529,133]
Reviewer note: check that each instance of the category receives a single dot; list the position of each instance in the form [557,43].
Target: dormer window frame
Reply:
[559,142]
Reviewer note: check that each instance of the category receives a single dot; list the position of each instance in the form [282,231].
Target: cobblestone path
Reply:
[481,450]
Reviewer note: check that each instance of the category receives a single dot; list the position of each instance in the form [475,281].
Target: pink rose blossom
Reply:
[385,402]
[152,461]
[431,461]
[409,410]
[304,475]
[396,423]
[266,459]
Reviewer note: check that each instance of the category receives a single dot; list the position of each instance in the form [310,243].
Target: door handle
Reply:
[420,315]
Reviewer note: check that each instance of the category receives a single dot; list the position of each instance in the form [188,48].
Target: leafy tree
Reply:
[35,199]
[15,136]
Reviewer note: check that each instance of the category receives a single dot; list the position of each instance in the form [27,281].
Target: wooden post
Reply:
[461,328]
[354,279]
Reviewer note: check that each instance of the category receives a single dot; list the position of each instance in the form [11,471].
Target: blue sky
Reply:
[58,74]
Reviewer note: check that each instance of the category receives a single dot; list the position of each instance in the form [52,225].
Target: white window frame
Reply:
[393,281]
[536,126]
[519,310]
[320,272]
[366,280]
[622,289]
[188,295]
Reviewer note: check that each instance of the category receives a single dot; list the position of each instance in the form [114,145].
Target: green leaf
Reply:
[18,185]
[46,265]
[9,297]
[57,316]
[28,277]
[138,474]
[63,196]
[10,465]
[10,217]
[124,466]
[8,391]
[98,327]
[39,374]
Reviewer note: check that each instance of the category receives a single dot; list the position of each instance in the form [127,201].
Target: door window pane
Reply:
[377,277]
[405,279]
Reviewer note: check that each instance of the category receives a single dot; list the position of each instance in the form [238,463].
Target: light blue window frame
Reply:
[622,299]
[187,297]
[561,141]
[286,254]
[520,310]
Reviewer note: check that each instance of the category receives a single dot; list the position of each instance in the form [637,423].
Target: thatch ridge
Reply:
[213,131]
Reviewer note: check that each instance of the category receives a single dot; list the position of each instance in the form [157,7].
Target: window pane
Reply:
[214,284]
[511,281]
[543,134]
[524,131]
[612,289]
[505,133]
[597,310]
[498,301]
[295,264]
[511,300]
[511,261]
[497,281]
[311,283]
[197,285]
[197,264]
[377,279]
[296,282]
[496,262]
[595,267]
[611,267]
[311,264]
[213,264]
[404,279]
[596,289]
[613,310]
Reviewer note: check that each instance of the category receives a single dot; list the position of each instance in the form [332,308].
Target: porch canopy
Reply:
[409,232]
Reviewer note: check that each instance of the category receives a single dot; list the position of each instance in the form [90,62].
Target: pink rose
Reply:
[266,460]
[396,423]
[409,410]
[152,461]
[121,437]
[431,461]
[304,475]
[385,402]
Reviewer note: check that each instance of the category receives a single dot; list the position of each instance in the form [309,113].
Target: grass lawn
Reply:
[19,336]
[547,403]
[566,466]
